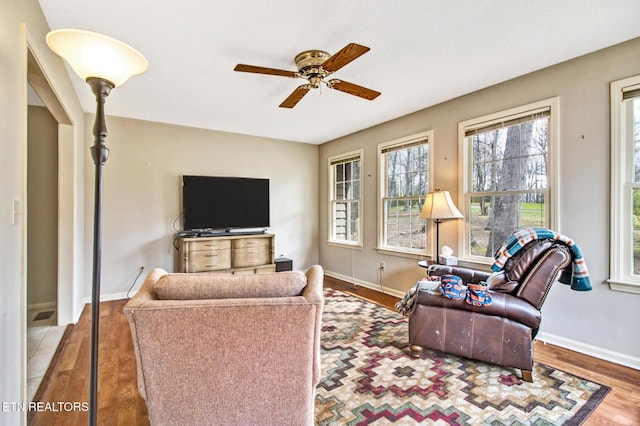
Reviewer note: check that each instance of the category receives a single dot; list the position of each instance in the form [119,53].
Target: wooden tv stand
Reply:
[230,254]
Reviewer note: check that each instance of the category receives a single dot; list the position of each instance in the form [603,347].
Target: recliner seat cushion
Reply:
[219,286]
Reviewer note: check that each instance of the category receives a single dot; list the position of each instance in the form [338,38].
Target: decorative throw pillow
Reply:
[451,286]
[220,286]
[478,294]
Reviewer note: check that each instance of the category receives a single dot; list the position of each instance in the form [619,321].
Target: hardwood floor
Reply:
[120,404]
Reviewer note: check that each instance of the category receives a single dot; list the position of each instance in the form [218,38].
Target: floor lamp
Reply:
[438,205]
[104,63]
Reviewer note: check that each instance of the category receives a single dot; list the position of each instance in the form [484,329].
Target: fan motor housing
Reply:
[310,59]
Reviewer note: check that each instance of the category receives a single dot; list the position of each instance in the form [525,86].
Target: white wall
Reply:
[42,199]
[597,321]
[142,193]
[22,23]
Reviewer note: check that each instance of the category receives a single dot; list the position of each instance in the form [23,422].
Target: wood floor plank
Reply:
[120,403]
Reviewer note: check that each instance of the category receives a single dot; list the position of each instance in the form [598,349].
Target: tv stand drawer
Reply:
[251,242]
[207,244]
[243,257]
[212,260]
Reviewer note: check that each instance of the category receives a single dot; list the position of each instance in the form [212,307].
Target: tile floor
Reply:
[43,337]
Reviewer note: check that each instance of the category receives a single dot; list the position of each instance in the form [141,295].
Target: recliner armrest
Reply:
[503,305]
[467,275]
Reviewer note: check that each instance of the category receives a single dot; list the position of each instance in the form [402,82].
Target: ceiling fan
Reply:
[314,66]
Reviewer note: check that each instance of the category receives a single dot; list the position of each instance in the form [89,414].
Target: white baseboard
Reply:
[109,297]
[371,286]
[46,306]
[594,351]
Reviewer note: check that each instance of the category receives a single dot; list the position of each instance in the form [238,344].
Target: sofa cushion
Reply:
[219,286]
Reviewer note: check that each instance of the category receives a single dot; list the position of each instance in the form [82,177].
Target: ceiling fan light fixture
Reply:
[314,66]
[311,59]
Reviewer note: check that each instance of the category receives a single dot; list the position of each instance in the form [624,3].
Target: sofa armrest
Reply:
[314,294]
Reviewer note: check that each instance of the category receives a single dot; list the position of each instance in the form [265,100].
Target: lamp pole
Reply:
[438,222]
[104,63]
[100,153]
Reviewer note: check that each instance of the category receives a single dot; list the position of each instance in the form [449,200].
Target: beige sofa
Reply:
[228,349]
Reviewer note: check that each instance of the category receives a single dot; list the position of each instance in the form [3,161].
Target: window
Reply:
[344,199]
[625,186]
[404,181]
[507,176]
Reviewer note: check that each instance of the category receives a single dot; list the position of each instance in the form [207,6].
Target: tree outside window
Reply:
[633,108]
[404,168]
[507,177]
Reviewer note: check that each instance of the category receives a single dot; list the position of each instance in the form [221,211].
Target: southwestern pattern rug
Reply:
[371,377]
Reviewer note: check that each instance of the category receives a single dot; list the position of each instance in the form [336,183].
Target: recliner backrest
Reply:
[521,262]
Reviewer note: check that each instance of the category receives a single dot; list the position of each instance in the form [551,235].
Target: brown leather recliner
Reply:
[500,333]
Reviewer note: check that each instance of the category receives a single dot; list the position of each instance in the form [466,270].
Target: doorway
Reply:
[49,305]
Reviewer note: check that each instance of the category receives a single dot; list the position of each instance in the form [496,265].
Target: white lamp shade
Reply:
[96,55]
[438,205]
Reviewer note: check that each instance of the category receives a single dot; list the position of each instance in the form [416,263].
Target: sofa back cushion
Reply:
[220,286]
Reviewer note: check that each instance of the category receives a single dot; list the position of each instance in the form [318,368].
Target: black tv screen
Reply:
[224,203]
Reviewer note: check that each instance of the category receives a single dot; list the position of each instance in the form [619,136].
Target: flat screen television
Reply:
[224,203]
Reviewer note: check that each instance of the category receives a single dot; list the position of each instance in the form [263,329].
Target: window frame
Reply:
[465,165]
[331,161]
[622,165]
[382,180]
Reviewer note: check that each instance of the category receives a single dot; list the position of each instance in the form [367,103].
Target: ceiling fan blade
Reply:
[347,54]
[263,70]
[295,96]
[353,89]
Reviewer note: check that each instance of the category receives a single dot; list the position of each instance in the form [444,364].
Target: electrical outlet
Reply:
[16,211]
[381,266]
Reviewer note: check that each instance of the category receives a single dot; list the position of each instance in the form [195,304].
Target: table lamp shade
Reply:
[96,55]
[438,205]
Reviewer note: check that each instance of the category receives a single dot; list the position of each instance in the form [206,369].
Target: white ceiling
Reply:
[423,52]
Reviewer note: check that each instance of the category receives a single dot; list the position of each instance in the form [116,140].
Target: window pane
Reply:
[511,160]
[345,214]
[407,181]
[493,218]
[340,192]
[636,231]
[403,227]
[636,137]
[339,221]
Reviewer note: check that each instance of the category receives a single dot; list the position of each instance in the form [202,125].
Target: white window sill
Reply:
[345,244]
[625,286]
[418,255]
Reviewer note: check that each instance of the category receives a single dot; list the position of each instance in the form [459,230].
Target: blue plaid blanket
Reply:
[579,276]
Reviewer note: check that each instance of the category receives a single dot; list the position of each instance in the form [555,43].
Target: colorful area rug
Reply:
[371,377]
